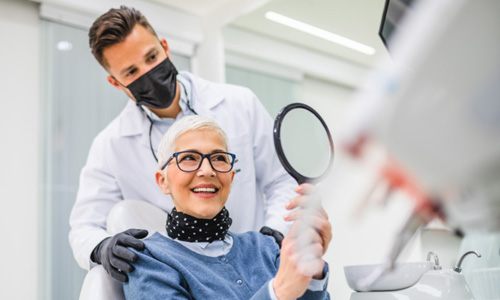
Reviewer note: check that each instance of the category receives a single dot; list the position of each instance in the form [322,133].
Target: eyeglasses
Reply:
[190,161]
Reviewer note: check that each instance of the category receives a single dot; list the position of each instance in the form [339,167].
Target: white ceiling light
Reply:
[318,32]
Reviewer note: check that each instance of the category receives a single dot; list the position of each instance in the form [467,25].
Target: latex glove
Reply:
[278,236]
[113,255]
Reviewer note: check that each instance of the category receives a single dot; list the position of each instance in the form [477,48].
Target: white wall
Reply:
[19,154]
[272,51]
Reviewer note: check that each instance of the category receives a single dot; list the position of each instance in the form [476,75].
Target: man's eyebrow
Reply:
[128,69]
[153,50]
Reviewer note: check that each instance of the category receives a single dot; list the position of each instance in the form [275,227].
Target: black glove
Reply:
[278,236]
[113,255]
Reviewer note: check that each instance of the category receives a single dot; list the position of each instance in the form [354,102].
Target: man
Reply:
[122,161]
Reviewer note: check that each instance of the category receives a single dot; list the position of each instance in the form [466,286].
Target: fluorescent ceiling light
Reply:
[318,32]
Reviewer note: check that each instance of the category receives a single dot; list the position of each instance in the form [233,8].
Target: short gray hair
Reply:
[186,124]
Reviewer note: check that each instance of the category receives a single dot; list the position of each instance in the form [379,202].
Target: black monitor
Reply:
[394,11]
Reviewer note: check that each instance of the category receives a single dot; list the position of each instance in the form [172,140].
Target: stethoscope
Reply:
[151,121]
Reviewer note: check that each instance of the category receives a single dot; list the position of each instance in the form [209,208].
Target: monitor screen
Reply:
[394,11]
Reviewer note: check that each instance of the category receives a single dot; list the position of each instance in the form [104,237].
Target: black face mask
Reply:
[183,227]
[156,88]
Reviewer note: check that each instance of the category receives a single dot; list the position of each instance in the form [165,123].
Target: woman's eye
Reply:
[188,157]
[220,158]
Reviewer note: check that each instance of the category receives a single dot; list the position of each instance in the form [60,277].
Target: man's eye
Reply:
[131,72]
[152,57]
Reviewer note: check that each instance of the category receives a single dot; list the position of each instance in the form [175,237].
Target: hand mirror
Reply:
[303,143]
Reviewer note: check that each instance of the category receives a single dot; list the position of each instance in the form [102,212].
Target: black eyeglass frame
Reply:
[203,156]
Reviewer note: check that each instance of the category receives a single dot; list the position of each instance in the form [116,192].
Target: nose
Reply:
[205,168]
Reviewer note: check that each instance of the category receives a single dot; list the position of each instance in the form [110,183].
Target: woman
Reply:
[198,257]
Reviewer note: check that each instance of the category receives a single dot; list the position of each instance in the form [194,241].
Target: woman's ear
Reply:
[162,182]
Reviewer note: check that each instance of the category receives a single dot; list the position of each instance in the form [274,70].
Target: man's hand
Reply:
[113,255]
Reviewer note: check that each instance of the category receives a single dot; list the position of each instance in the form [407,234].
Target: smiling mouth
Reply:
[205,190]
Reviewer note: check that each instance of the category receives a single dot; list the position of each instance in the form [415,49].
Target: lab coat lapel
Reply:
[205,95]
[134,122]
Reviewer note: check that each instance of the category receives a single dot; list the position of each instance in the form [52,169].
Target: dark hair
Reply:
[112,28]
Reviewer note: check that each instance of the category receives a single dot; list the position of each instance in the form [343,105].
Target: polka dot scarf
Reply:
[187,228]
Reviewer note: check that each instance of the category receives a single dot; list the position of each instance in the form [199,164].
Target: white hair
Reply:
[186,124]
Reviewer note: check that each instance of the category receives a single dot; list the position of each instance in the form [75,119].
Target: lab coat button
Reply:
[239,281]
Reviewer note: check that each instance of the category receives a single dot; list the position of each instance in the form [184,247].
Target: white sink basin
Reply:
[433,285]
[402,276]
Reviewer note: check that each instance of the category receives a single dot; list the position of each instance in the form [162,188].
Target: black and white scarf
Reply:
[183,227]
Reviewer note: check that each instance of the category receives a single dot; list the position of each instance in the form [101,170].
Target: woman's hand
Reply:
[303,246]
[290,282]
[317,214]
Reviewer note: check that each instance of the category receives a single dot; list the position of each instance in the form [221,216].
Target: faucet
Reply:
[458,268]
[436,266]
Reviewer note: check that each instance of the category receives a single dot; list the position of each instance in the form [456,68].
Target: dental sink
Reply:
[409,281]
[432,285]
[402,276]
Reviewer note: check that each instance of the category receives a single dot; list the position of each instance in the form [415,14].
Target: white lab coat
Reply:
[121,166]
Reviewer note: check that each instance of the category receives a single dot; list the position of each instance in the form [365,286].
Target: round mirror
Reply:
[303,143]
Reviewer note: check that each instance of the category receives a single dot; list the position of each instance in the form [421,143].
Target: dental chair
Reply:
[98,285]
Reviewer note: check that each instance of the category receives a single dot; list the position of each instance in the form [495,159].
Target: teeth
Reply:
[204,190]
